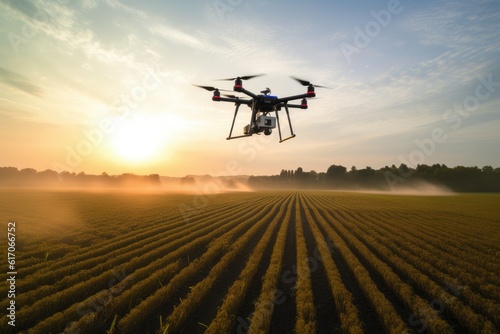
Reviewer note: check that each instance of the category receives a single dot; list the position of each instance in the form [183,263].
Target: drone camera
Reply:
[268,122]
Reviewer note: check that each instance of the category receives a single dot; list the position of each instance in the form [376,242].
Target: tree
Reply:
[188,180]
[283,173]
[336,175]
[300,176]
[312,175]
[336,171]
[488,170]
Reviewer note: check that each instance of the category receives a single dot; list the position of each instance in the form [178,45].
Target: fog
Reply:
[415,188]
[44,211]
[48,210]
[204,187]
[39,211]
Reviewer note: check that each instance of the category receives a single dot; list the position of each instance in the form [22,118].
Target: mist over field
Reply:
[419,188]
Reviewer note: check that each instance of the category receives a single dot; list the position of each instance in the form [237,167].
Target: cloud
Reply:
[458,25]
[19,82]
[45,16]
[456,43]
[25,8]
[68,25]
[178,36]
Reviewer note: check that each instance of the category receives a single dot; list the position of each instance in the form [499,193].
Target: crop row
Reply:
[444,262]
[348,313]
[156,230]
[162,296]
[145,278]
[224,319]
[384,309]
[258,262]
[96,257]
[408,228]
[431,264]
[384,261]
[46,300]
[306,315]
[462,245]
[85,282]
[264,307]
[458,246]
[180,312]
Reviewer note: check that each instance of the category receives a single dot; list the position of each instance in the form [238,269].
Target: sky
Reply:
[107,86]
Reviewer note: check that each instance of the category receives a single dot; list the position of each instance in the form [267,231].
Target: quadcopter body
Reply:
[263,106]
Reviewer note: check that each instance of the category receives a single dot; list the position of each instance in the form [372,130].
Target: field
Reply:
[256,262]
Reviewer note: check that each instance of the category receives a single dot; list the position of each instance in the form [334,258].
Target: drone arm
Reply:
[235,100]
[247,92]
[290,98]
[298,106]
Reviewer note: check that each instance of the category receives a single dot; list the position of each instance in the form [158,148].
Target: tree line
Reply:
[29,177]
[459,178]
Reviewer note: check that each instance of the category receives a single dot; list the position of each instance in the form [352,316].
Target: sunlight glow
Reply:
[141,139]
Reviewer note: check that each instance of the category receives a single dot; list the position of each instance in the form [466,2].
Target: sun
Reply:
[140,139]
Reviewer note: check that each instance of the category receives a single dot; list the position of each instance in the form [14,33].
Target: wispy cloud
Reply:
[19,82]
[19,103]
[459,25]
[179,36]
[21,8]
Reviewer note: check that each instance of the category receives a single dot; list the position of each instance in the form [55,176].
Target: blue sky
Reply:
[107,85]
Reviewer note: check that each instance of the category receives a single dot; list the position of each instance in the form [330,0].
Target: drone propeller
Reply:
[247,77]
[210,88]
[307,83]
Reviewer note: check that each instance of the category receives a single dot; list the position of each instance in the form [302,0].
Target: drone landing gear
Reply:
[232,125]
[292,135]
[255,126]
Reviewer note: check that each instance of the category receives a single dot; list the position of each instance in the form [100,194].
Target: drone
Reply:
[262,106]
